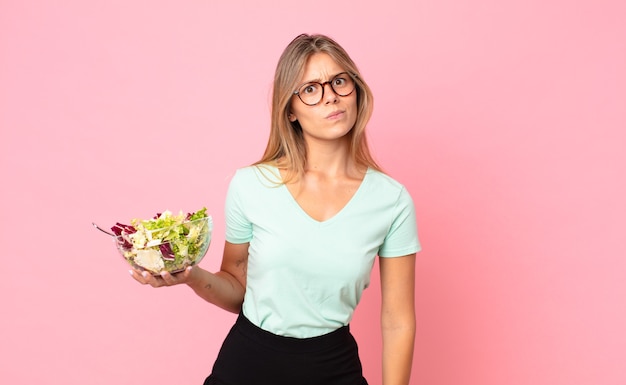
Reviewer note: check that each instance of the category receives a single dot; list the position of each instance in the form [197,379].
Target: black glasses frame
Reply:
[323,86]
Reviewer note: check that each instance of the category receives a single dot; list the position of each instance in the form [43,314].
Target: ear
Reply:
[292,117]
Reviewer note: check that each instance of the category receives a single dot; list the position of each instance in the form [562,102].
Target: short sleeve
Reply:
[238,226]
[402,238]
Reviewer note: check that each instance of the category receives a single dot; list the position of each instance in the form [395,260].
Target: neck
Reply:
[331,158]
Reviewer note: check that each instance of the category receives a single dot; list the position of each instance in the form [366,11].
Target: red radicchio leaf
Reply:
[119,230]
[166,251]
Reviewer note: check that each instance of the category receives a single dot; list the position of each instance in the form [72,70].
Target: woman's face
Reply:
[334,116]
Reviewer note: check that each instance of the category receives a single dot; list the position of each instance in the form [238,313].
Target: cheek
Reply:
[354,107]
[297,111]
[352,99]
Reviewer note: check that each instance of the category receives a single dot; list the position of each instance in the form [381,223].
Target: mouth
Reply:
[335,115]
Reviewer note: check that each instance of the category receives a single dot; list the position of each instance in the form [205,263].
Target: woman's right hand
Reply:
[163,279]
[225,288]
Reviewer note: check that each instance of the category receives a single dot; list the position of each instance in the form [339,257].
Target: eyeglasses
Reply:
[312,93]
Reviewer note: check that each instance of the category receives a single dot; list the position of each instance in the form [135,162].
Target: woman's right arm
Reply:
[224,288]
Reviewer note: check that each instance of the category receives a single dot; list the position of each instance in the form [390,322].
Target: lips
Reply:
[335,115]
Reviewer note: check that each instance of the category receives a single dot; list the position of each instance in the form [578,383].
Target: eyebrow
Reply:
[318,80]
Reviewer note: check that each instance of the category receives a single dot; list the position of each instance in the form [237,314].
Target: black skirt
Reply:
[253,356]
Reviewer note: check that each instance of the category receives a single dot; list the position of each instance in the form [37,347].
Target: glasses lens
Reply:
[342,84]
[312,93]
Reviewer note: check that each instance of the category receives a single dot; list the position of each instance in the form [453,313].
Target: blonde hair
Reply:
[286,147]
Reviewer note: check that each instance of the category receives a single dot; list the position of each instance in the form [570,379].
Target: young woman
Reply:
[303,227]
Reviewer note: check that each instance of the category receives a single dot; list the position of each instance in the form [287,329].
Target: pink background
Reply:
[505,120]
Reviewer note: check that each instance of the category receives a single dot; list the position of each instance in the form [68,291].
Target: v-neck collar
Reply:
[339,213]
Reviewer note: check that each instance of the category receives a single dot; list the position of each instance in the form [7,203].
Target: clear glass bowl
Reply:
[162,249]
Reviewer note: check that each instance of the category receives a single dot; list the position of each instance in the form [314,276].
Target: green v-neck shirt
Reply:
[306,277]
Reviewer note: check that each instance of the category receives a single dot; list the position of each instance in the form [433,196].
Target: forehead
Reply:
[320,66]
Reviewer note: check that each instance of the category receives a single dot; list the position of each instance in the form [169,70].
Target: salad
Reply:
[166,242]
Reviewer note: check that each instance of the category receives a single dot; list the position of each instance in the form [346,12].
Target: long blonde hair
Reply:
[286,147]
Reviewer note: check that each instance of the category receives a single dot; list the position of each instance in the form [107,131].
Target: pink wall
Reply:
[506,121]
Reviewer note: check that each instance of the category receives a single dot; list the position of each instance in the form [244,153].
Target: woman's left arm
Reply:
[397,276]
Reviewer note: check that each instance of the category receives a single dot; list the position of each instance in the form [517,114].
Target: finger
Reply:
[182,276]
[153,280]
[137,276]
[145,278]
[185,273]
[168,278]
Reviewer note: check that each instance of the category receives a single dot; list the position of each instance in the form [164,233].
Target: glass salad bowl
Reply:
[165,243]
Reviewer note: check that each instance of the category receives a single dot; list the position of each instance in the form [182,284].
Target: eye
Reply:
[340,81]
[310,88]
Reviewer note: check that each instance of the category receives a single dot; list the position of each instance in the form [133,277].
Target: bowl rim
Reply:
[208,219]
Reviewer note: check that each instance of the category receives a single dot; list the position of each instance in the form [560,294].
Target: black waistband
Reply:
[330,340]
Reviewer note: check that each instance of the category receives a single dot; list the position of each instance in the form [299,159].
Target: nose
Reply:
[329,96]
